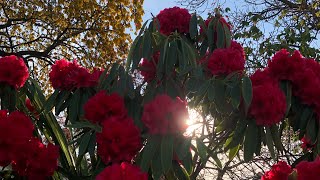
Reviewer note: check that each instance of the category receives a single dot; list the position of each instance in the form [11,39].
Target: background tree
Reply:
[264,27]
[42,31]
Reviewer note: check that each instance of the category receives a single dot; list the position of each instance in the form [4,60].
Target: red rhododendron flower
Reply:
[285,67]
[67,75]
[102,106]
[13,71]
[309,170]
[36,161]
[174,19]
[226,61]
[125,171]
[164,115]
[262,76]
[149,68]
[15,129]
[119,140]
[279,171]
[221,20]
[268,104]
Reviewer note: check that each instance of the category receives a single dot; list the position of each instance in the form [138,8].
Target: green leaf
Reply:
[210,33]
[233,152]
[167,152]
[219,92]
[227,35]
[202,149]
[270,143]
[147,45]
[172,58]
[235,96]
[84,143]
[156,167]
[73,109]
[62,97]
[217,160]
[85,124]
[247,92]
[312,130]
[250,141]
[305,116]
[179,172]
[238,136]
[220,36]
[183,148]
[276,137]
[149,151]
[92,144]
[288,96]
[193,28]
[50,102]
[187,163]
[211,92]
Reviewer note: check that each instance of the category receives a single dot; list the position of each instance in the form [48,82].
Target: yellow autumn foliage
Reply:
[91,31]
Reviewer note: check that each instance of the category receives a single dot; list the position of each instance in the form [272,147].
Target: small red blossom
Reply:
[149,68]
[36,161]
[279,171]
[308,170]
[32,109]
[123,171]
[165,115]
[227,60]
[306,143]
[268,104]
[174,19]
[15,130]
[102,106]
[13,71]
[119,140]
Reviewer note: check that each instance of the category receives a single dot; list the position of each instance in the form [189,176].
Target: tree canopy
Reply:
[93,32]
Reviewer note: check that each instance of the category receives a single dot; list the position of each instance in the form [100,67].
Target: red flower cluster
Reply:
[67,75]
[268,104]
[225,61]
[35,161]
[221,20]
[103,106]
[309,170]
[279,171]
[119,140]
[174,19]
[125,171]
[164,115]
[13,71]
[149,68]
[303,74]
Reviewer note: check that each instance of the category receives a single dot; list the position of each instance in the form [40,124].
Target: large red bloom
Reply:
[149,68]
[220,20]
[15,130]
[279,171]
[67,75]
[119,140]
[36,161]
[13,71]
[174,19]
[268,104]
[102,106]
[125,171]
[164,115]
[308,170]
[228,60]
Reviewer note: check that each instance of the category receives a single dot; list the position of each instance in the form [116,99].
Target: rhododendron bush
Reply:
[129,122]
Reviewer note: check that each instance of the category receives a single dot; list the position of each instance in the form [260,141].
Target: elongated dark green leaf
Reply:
[84,143]
[147,45]
[73,109]
[187,163]
[217,160]
[221,39]
[183,148]
[238,136]
[250,141]
[305,116]
[92,144]
[211,92]
[270,142]
[259,144]
[137,54]
[247,92]
[219,93]
[180,172]
[312,130]
[233,152]
[193,28]
[210,33]
[288,96]
[202,149]
[50,102]
[156,167]
[204,48]
[85,124]
[167,152]
[149,151]
[172,58]
[276,137]
[235,95]
[227,35]
[62,97]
